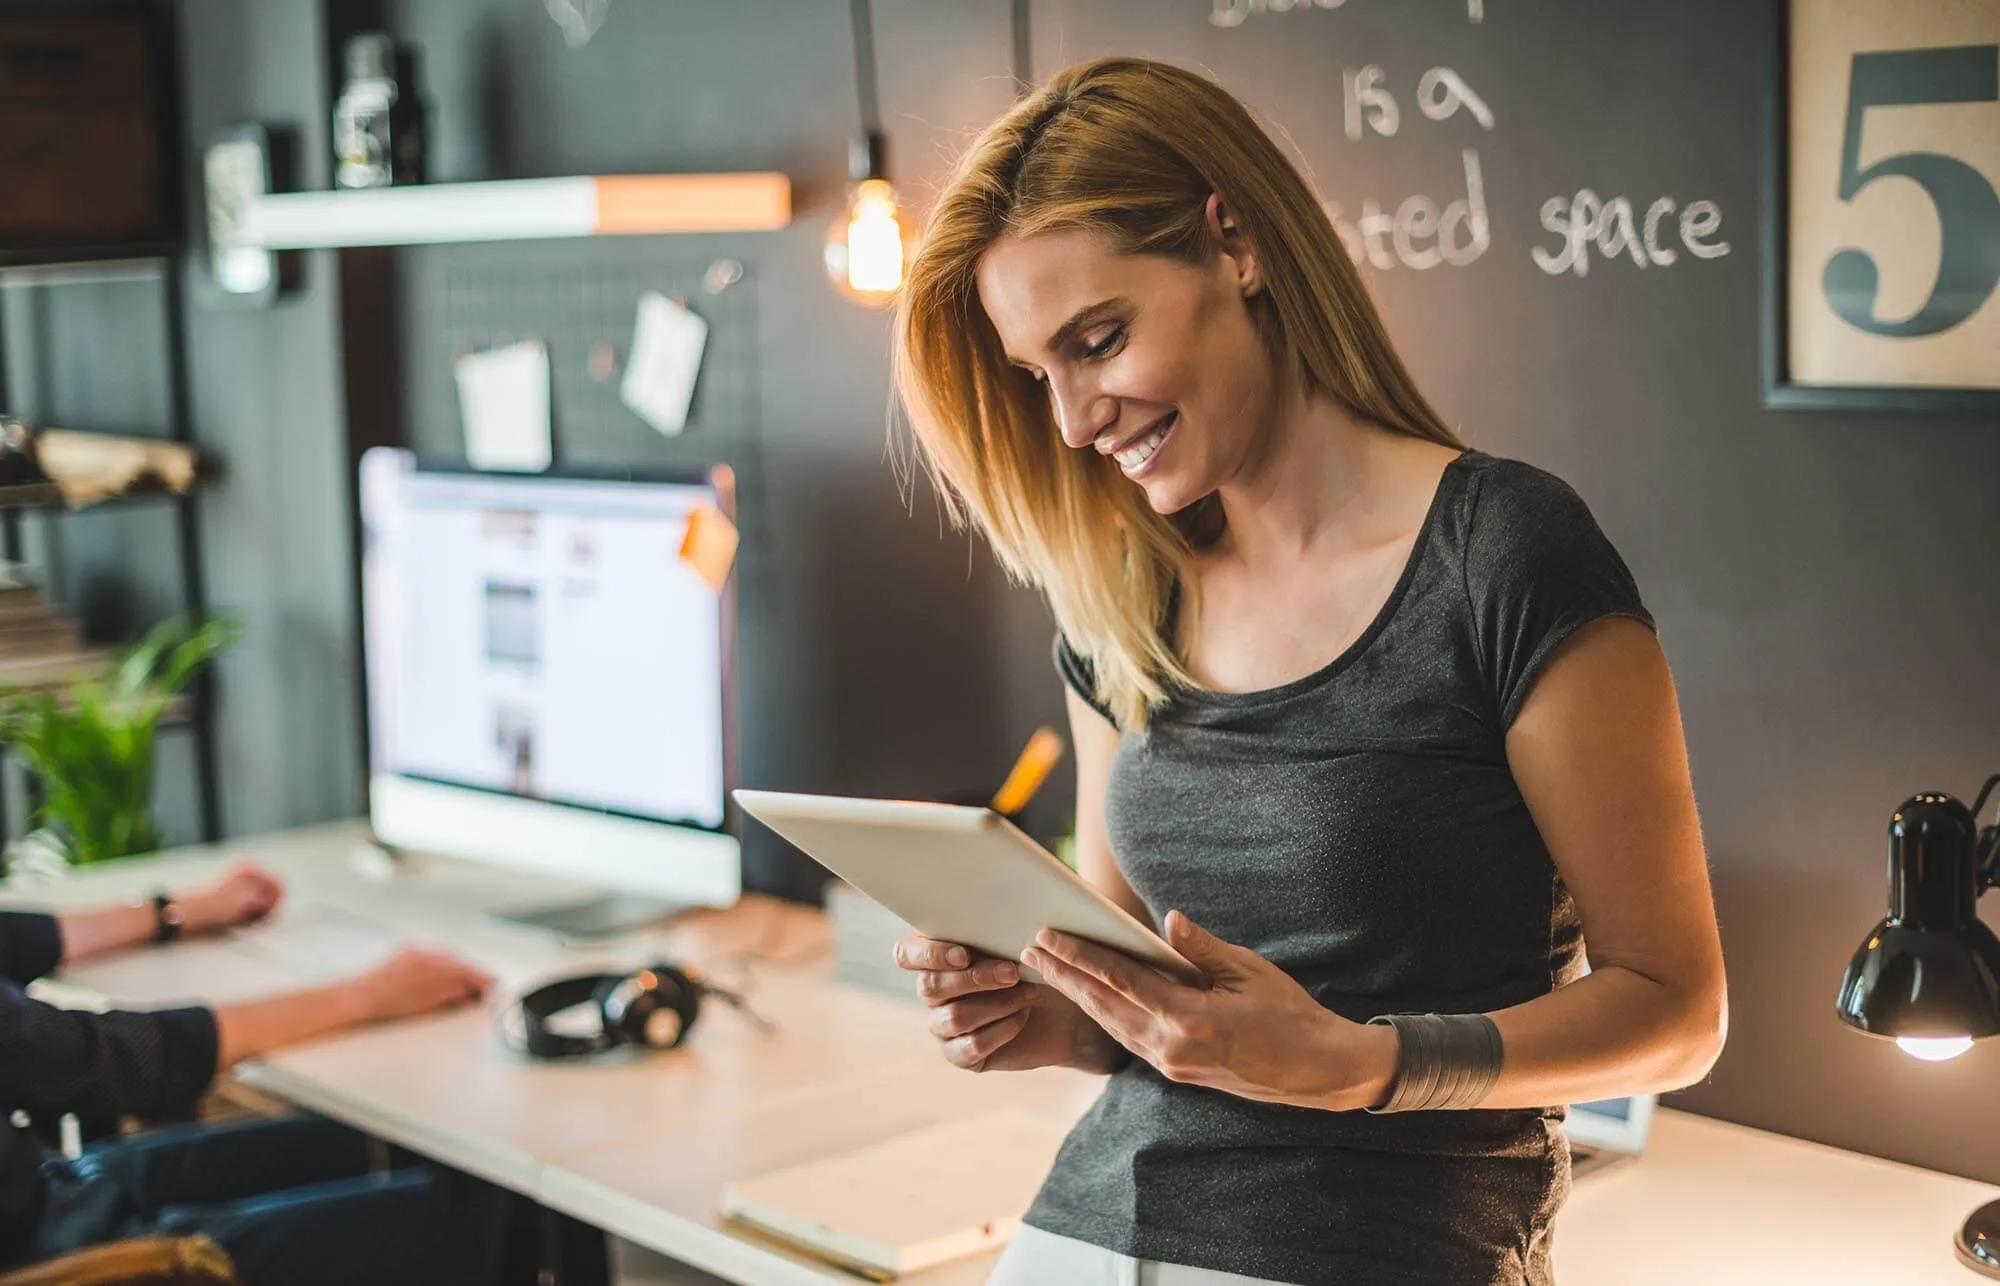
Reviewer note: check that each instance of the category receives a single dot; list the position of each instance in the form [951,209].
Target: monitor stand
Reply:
[610,915]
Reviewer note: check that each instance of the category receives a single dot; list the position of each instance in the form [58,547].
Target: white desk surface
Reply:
[641,1146]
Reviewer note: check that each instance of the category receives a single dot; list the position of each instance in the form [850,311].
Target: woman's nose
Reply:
[1082,414]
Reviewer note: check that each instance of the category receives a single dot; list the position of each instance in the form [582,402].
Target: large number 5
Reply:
[1968,209]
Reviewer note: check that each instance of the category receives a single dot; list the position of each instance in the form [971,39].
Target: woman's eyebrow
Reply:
[1084,317]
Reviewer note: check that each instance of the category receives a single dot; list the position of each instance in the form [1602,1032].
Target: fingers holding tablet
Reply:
[949,970]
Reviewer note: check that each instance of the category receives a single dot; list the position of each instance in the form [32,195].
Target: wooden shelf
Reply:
[47,495]
[517,209]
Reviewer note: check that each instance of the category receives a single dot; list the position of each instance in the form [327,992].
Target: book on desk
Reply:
[909,1203]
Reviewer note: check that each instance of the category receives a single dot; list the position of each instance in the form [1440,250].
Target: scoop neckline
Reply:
[1447,480]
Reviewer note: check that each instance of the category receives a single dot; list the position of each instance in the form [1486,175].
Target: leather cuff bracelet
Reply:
[1444,1062]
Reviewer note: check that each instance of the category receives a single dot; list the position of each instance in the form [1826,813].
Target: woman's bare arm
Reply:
[1599,755]
[1096,741]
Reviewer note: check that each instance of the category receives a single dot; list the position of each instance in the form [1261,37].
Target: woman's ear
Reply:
[1222,226]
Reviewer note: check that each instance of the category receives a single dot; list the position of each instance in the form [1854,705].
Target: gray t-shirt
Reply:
[1360,829]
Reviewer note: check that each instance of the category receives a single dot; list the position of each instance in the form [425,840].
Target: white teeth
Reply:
[1142,450]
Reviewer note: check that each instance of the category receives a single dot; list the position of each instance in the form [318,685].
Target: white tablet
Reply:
[957,874]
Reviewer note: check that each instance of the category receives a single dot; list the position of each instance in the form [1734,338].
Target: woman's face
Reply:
[1148,361]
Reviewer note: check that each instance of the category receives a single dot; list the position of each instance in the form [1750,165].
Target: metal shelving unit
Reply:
[194,713]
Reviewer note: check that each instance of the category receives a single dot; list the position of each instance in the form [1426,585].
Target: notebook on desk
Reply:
[909,1203]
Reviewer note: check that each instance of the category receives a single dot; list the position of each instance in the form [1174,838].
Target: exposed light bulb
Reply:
[874,238]
[1934,1049]
[864,248]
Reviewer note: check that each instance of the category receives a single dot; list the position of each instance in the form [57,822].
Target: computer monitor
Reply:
[1608,1129]
[549,681]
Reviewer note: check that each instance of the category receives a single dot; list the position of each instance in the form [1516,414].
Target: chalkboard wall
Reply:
[1825,582]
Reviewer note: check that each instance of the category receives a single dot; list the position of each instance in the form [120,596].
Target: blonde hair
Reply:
[1129,150]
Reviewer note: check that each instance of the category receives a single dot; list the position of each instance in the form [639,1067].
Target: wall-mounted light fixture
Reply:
[865,245]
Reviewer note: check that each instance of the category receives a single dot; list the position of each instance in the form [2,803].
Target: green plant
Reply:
[91,744]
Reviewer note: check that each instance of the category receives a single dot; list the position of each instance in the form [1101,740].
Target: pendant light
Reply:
[865,245]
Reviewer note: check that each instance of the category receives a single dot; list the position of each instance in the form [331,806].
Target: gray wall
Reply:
[1818,577]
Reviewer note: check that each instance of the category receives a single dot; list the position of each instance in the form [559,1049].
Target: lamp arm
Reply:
[1987,854]
[1979,804]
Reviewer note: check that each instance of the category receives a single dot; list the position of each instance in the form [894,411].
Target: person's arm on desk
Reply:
[158,1064]
[413,981]
[983,1015]
[244,895]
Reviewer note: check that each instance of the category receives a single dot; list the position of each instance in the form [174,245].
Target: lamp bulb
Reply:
[1934,1049]
[864,248]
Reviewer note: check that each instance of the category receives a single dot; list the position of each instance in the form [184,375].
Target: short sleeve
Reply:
[30,945]
[1538,568]
[1081,678]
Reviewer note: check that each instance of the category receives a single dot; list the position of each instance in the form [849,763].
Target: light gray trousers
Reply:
[1037,1258]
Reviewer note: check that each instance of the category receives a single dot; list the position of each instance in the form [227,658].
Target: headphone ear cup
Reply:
[534,1009]
[684,996]
[653,1008]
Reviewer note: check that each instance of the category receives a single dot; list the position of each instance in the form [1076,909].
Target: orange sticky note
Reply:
[709,545]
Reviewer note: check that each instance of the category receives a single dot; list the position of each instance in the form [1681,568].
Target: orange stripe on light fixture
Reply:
[653,203]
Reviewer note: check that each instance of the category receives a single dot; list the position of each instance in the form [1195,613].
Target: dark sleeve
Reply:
[30,945]
[1080,677]
[1537,569]
[102,1065]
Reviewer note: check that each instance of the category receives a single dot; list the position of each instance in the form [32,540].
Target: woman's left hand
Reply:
[1253,1032]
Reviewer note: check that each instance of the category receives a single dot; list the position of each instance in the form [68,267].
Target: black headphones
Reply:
[652,1008]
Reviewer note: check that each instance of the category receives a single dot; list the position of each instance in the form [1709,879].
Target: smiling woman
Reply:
[1375,727]
[1092,165]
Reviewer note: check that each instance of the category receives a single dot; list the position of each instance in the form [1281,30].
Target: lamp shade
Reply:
[1931,969]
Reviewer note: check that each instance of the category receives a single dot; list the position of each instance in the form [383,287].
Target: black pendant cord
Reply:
[866,91]
[1024,72]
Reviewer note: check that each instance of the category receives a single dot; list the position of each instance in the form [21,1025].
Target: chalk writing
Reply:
[1441,94]
[1586,220]
[1443,91]
[1233,13]
[1369,103]
[1420,235]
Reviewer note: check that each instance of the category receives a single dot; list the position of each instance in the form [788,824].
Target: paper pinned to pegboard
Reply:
[667,343]
[503,400]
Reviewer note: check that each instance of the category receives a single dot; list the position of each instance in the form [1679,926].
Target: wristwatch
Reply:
[168,918]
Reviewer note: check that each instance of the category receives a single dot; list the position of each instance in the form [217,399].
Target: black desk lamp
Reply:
[1928,976]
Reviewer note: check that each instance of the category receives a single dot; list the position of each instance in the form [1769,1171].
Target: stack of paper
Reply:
[910,1203]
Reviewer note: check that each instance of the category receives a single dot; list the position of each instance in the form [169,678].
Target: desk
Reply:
[641,1146]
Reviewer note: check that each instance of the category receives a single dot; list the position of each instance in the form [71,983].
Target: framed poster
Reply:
[1882,259]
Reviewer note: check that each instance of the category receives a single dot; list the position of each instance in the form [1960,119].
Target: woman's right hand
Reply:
[988,1020]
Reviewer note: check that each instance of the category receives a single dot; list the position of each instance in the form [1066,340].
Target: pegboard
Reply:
[581,300]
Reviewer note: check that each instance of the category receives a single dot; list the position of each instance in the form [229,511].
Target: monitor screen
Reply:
[541,636]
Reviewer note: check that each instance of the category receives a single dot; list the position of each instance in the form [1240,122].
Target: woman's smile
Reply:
[1138,455]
